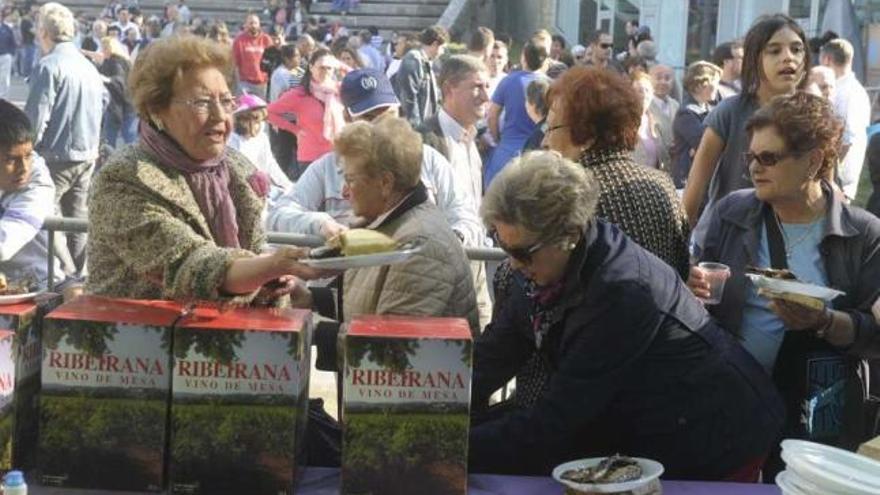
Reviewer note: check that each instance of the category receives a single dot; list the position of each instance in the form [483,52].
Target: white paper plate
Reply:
[779,285]
[830,469]
[651,470]
[363,260]
[786,482]
[18,298]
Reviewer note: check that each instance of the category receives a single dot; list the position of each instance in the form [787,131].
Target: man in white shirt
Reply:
[316,204]
[729,56]
[27,197]
[124,23]
[464,83]
[853,105]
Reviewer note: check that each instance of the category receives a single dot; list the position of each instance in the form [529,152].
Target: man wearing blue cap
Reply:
[315,205]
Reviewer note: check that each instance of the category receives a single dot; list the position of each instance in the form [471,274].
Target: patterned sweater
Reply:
[643,203]
[148,238]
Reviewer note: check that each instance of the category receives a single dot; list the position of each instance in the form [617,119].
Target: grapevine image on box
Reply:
[235,422]
[405,416]
[104,404]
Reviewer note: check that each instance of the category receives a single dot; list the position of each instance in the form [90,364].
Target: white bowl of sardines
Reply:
[616,474]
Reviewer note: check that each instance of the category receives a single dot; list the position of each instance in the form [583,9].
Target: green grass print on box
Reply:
[416,453]
[103,405]
[405,415]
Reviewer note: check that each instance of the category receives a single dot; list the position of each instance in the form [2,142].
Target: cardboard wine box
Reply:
[239,401]
[7,397]
[406,404]
[106,379]
[25,321]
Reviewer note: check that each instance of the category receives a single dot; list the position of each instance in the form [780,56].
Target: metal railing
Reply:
[81,225]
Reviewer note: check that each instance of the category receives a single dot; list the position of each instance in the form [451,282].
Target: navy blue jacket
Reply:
[638,367]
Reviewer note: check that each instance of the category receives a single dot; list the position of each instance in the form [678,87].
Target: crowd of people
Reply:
[604,179]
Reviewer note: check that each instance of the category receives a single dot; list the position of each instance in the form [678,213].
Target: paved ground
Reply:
[18,92]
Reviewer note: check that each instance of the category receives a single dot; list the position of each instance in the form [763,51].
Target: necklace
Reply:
[789,246]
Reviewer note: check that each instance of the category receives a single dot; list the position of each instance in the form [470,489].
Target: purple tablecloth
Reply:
[322,481]
[325,481]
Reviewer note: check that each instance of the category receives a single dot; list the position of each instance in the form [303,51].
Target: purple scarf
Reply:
[208,181]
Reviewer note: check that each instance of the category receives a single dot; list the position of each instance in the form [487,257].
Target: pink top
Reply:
[302,115]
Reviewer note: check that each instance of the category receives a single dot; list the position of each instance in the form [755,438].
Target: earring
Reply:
[157,122]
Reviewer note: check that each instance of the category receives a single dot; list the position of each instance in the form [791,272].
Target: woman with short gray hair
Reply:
[633,363]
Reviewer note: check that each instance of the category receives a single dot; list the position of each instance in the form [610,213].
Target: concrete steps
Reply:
[387,15]
[230,11]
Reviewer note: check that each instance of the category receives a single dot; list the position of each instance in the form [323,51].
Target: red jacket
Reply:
[247,51]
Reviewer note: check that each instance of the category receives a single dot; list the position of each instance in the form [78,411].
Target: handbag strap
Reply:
[775,240]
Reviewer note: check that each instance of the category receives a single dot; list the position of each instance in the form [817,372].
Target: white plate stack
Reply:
[816,469]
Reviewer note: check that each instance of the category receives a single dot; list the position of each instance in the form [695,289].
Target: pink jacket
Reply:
[302,115]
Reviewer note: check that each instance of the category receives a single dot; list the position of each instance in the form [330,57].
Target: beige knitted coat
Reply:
[149,240]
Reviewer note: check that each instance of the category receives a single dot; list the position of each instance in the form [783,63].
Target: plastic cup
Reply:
[716,275]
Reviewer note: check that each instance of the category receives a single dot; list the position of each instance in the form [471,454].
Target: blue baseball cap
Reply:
[364,90]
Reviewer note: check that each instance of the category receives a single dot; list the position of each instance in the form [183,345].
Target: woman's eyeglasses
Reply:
[203,105]
[768,158]
[521,254]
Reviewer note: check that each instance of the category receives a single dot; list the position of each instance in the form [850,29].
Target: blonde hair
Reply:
[115,47]
[164,61]
[388,145]
[57,22]
[544,193]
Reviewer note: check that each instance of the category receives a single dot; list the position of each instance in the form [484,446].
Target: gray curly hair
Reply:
[544,193]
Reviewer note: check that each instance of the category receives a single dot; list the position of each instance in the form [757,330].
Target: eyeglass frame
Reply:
[522,254]
[749,157]
[194,103]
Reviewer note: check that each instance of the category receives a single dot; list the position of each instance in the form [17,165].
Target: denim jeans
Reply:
[112,128]
[72,180]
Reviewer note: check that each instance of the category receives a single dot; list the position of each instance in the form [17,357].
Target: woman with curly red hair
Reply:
[792,220]
[594,119]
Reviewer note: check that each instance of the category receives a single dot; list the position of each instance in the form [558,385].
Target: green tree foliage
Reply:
[218,345]
[90,337]
[391,354]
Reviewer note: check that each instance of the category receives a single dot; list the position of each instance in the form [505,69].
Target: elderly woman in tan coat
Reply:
[177,215]
[381,165]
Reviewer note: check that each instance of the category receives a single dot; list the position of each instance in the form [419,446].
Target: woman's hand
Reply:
[331,229]
[285,261]
[797,316]
[698,284]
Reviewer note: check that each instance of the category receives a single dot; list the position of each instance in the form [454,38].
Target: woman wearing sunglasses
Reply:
[793,220]
[775,63]
[633,363]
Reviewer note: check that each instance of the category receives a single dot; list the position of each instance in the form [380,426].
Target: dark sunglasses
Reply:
[606,45]
[521,254]
[768,158]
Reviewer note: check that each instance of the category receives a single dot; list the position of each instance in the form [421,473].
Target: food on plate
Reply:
[356,242]
[614,469]
[810,302]
[781,274]
[14,288]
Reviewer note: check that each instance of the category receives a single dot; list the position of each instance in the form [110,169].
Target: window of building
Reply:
[702,26]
